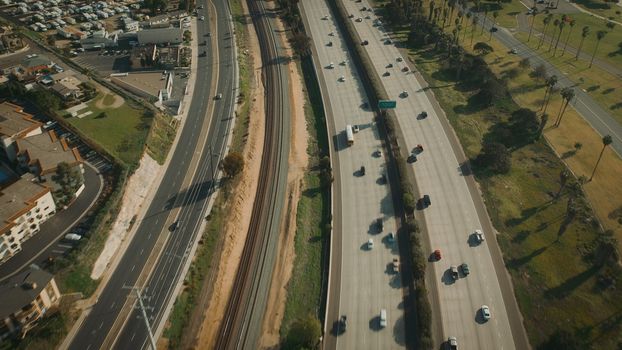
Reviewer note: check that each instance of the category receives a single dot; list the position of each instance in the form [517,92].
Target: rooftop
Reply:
[20,290]
[16,199]
[149,82]
[36,61]
[48,150]
[14,122]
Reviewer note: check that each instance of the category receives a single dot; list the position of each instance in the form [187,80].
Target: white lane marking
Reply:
[133,267]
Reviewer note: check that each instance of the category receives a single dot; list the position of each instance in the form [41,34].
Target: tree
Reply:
[496,157]
[540,72]
[546,22]
[556,24]
[562,339]
[524,63]
[155,6]
[584,33]
[187,35]
[599,36]
[564,175]
[304,333]
[524,123]
[301,43]
[567,95]
[232,164]
[473,26]
[69,180]
[482,48]
[562,24]
[51,40]
[550,85]
[410,203]
[571,24]
[534,12]
[607,140]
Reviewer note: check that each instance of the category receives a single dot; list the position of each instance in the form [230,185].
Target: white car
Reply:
[202,18]
[325,17]
[355,128]
[479,236]
[370,244]
[399,59]
[486,312]
[342,78]
[218,96]
[331,65]
[344,62]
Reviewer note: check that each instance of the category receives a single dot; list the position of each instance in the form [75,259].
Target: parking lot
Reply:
[105,62]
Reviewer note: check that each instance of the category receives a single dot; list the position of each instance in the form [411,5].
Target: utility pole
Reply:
[144,312]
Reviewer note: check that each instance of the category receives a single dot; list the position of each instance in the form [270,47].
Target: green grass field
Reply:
[122,131]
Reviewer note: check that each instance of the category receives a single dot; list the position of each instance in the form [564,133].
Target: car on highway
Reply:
[383,318]
[399,59]
[388,42]
[174,226]
[330,43]
[486,312]
[380,224]
[391,237]
[325,17]
[72,237]
[426,200]
[342,78]
[331,34]
[367,17]
[364,42]
[405,69]
[359,19]
[351,16]
[465,269]
[355,128]
[342,324]
[418,149]
[452,343]
[437,254]
[454,272]
[202,18]
[370,244]
[362,170]
[390,65]
[330,65]
[479,236]
[395,265]
[378,153]
[422,115]
[218,96]
[344,62]
[514,51]
[386,74]
[493,29]
[404,93]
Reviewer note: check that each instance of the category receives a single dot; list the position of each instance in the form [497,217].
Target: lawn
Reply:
[121,131]
[598,7]
[549,259]
[304,291]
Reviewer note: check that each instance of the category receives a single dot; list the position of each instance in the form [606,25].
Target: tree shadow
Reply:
[521,236]
[564,289]
[518,262]
[608,91]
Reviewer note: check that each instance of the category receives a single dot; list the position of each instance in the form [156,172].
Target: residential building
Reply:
[26,298]
[68,88]
[14,125]
[41,154]
[34,63]
[24,206]
[99,40]
[170,36]
[130,25]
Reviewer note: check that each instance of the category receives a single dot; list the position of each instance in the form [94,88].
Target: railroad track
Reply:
[237,330]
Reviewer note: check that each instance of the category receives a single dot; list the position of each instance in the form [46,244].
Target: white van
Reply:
[383,318]
[73,237]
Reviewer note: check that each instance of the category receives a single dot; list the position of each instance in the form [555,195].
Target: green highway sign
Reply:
[387,104]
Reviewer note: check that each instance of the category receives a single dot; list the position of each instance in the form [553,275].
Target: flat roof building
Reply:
[14,125]
[41,154]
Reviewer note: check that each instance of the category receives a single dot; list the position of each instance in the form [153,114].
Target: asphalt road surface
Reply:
[183,197]
[452,216]
[368,282]
[583,103]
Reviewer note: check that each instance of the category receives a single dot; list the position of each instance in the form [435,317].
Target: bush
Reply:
[304,333]
[409,202]
[232,164]
[496,157]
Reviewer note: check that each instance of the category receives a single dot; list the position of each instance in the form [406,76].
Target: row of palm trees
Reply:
[559,24]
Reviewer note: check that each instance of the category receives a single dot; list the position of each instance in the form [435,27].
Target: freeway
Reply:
[455,210]
[583,103]
[183,197]
[362,277]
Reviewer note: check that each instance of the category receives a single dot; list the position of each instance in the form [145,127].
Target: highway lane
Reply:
[164,208]
[159,291]
[367,282]
[452,216]
[583,103]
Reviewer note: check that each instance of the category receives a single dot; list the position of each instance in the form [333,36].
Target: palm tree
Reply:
[564,175]
[585,32]
[556,23]
[468,16]
[445,14]
[599,36]
[567,95]
[534,12]
[484,21]
[550,85]
[475,20]
[494,23]
[562,24]
[571,24]
[431,11]
[546,22]
[607,140]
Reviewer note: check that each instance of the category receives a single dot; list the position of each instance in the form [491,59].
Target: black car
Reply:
[380,224]
[362,170]
[423,115]
[493,29]
[426,200]
[343,323]
[365,42]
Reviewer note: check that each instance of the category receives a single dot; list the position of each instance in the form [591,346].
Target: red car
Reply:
[437,254]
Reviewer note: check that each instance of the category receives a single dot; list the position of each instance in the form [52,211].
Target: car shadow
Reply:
[479,317]
[447,279]
[374,324]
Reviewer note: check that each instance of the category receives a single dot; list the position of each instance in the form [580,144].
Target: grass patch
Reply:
[108,100]
[240,22]
[304,290]
[161,137]
[121,131]
[555,284]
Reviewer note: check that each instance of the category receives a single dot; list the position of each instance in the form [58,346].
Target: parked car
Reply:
[437,254]
[465,269]
[342,324]
[370,244]
[396,265]
[454,272]
[426,200]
